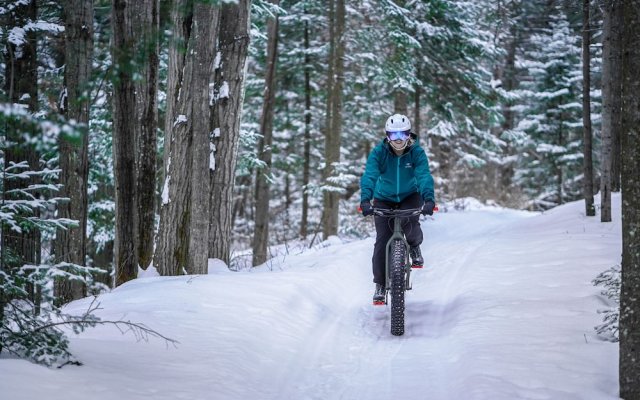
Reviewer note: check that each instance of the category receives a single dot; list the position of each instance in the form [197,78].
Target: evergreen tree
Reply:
[551,157]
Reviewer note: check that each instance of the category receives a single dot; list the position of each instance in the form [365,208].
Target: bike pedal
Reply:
[417,266]
[379,303]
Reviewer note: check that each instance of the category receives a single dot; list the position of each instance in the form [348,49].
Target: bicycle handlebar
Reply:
[391,213]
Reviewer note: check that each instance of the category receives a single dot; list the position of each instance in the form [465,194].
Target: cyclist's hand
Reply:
[366,208]
[427,208]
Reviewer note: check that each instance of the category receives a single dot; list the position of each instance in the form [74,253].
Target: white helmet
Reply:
[397,123]
[398,128]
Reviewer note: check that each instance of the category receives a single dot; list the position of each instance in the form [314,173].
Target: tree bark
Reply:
[70,244]
[587,188]
[124,141]
[184,219]
[261,234]
[333,135]
[227,110]
[146,28]
[611,100]
[629,371]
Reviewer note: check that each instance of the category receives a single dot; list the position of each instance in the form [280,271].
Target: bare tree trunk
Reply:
[611,99]
[307,135]
[587,188]
[629,367]
[184,221]
[333,135]
[70,244]
[124,141]
[230,76]
[261,233]
[146,28]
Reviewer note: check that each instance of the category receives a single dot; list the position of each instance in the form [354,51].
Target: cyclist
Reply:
[397,176]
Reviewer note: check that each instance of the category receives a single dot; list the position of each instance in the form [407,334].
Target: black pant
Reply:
[384,231]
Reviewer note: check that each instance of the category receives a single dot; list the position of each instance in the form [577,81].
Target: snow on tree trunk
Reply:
[261,234]
[70,244]
[629,328]
[587,189]
[184,217]
[233,47]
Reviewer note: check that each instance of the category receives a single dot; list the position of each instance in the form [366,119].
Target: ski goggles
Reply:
[399,135]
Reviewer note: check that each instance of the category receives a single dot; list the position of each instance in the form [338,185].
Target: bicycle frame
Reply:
[398,234]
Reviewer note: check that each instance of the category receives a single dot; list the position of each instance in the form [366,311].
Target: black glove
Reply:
[427,207]
[367,209]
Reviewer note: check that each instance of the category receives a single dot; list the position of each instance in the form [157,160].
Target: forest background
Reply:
[229,126]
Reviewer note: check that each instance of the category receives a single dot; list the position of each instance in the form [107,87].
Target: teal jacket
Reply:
[389,177]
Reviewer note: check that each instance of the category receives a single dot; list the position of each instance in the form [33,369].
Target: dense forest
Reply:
[167,133]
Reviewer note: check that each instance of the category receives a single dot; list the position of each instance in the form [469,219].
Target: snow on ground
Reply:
[504,310]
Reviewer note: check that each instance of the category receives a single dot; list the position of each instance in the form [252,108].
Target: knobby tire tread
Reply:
[397,282]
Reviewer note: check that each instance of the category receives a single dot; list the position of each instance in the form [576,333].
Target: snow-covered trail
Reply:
[504,309]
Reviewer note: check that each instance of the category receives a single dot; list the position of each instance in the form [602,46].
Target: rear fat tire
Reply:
[397,282]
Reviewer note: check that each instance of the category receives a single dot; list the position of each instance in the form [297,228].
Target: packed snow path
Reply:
[504,309]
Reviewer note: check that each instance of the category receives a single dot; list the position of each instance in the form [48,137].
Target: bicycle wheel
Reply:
[397,281]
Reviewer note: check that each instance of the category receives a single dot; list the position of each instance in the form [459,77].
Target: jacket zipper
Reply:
[398,180]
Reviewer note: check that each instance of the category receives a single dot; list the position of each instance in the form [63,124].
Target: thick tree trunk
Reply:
[306,169]
[124,141]
[146,33]
[70,244]
[629,371]
[184,221]
[611,100]
[333,135]
[261,233]
[229,88]
[205,30]
[587,188]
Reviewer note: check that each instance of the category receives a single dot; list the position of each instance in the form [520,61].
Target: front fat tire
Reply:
[397,282]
